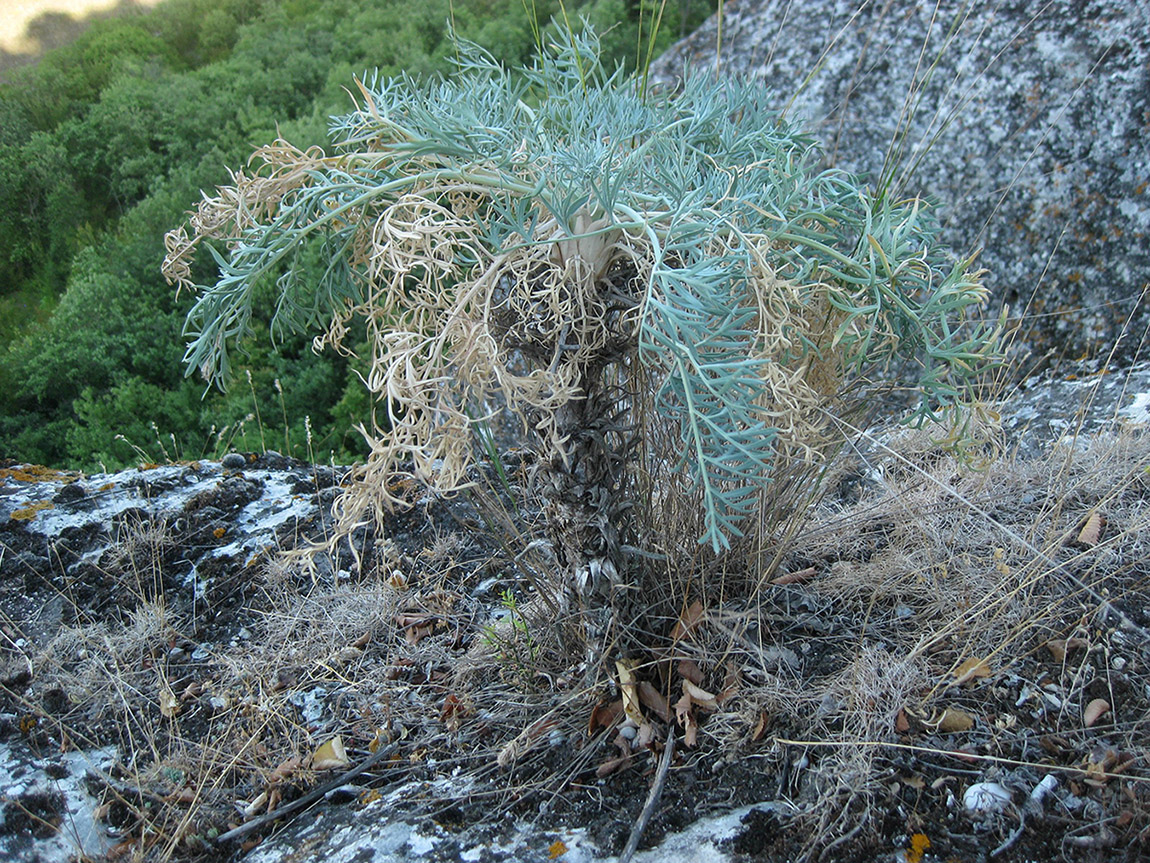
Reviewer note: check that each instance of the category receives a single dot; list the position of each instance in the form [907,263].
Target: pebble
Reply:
[233,461]
[984,798]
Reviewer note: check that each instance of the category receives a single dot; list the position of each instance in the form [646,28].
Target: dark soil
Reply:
[415,677]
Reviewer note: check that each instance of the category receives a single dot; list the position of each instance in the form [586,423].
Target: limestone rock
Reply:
[1026,121]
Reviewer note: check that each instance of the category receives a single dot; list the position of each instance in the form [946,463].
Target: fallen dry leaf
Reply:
[646,735]
[1094,711]
[687,621]
[169,704]
[971,669]
[688,670]
[1091,531]
[699,696]
[953,720]
[690,731]
[686,718]
[556,849]
[654,701]
[629,689]
[185,796]
[731,683]
[682,708]
[603,715]
[760,727]
[453,712]
[330,756]
[1059,647]
[609,767]
[285,769]
[901,722]
[798,577]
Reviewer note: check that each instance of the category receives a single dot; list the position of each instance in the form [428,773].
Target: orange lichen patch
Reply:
[37,473]
[29,512]
[919,843]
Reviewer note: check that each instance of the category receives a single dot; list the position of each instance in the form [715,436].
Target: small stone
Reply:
[70,493]
[273,460]
[233,461]
[985,798]
[344,794]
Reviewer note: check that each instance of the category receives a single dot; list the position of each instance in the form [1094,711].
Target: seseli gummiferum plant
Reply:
[600,261]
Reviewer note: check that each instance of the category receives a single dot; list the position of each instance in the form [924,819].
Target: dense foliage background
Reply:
[107,141]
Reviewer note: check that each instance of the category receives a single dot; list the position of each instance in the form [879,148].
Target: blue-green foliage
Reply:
[715,185]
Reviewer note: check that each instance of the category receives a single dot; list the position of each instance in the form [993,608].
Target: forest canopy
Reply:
[105,141]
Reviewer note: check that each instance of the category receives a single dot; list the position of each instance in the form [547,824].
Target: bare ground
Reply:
[927,628]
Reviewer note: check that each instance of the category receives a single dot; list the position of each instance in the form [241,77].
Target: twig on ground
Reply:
[1013,837]
[308,798]
[652,800]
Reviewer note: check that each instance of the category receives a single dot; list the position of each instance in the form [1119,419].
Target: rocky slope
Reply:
[1026,121]
[164,677]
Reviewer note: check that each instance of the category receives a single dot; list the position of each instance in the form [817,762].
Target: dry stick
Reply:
[652,800]
[308,798]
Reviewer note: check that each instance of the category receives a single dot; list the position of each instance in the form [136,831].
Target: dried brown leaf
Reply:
[700,696]
[609,767]
[688,670]
[1094,711]
[285,769]
[683,709]
[629,689]
[1060,647]
[1091,531]
[687,621]
[798,577]
[603,715]
[169,704]
[972,669]
[731,683]
[646,735]
[330,756]
[654,701]
[760,726]
[953,720]
[691,731]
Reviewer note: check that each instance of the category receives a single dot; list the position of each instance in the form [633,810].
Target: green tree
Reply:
[642,280]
